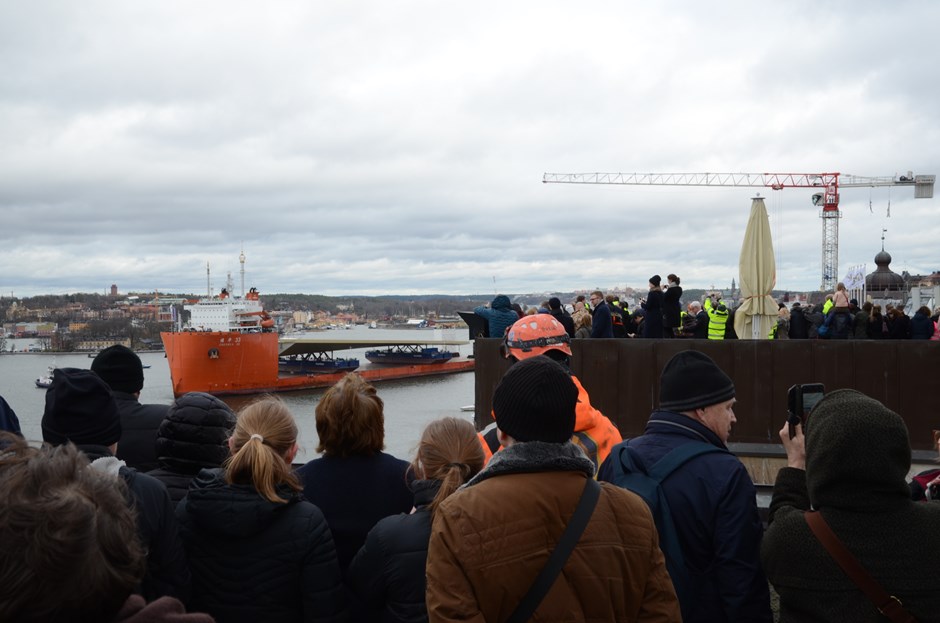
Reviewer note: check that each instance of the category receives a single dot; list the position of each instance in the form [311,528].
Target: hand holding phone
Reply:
[801,399]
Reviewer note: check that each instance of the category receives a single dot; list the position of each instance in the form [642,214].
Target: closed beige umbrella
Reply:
[758,275]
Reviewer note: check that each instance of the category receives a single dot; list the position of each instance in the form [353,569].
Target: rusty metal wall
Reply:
[622,377]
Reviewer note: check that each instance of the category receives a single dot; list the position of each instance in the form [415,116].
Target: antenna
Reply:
[208,282]
[883,230]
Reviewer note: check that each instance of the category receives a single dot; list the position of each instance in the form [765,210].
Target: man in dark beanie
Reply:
[122,370]
[710,497]
[852,467]
[491,538]
[81,410]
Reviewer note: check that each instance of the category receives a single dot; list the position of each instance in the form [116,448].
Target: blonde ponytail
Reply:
[265,434]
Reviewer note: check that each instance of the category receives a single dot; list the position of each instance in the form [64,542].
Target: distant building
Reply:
[884,283]
[114,291]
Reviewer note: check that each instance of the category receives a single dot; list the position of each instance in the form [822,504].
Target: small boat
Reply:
[410,355]
[45,380]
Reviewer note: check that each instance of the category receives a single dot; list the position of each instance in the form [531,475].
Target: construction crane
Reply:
[828,198]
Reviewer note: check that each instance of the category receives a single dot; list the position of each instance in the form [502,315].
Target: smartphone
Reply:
[801,400]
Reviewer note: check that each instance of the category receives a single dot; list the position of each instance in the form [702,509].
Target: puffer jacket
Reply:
[499,315]
[921,326]
[255,560]
[713,505]
[492,537]
[388,572]
[858,455]
[193,436]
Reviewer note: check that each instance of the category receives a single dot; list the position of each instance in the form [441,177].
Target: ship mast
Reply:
[208,283]
[241,258]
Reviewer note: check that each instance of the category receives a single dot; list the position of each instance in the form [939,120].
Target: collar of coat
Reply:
[535,456]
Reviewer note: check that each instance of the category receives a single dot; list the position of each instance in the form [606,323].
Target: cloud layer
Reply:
[369,147]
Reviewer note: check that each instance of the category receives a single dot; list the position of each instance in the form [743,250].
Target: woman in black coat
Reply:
[388,572]
[672,308]
[257,550]
[193,436]
[653,325]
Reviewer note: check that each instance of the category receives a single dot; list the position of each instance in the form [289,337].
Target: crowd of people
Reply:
[547,515]
[663,314]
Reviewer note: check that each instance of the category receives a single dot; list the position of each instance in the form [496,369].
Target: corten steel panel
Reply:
[622,378]
[921,397]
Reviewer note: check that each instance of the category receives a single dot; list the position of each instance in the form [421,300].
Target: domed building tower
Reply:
[884,283]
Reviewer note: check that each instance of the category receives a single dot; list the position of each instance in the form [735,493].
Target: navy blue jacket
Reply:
[714,507]
[499,315]
[354,492]
[601,324]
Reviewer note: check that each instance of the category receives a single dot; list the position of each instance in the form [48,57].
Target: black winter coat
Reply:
[139,424]
[388,572]
[167,571]
[653,325]
[672,311]
[255,560]
[857,458]
[799,327]
[193,436]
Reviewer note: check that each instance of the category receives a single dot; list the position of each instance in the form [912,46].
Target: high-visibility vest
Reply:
[827,306]
[717,319]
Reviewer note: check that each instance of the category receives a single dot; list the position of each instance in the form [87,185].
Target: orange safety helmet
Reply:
[535,335]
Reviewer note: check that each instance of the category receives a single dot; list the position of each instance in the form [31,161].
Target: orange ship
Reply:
[230,348]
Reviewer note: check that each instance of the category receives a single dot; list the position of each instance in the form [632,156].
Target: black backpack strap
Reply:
[556,561]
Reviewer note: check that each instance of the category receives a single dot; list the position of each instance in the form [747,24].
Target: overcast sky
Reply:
[398,147]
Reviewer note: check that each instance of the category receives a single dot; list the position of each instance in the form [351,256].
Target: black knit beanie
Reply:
[536,401]
[80,409]
[120,368]
[691,380]
[656,280]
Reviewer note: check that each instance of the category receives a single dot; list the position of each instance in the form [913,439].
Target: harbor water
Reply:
[410,404]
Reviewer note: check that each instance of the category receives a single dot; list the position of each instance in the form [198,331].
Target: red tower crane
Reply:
[828,183]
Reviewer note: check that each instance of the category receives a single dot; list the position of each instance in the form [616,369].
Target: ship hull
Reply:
[229,363]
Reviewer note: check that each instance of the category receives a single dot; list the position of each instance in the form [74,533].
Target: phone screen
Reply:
[810,399]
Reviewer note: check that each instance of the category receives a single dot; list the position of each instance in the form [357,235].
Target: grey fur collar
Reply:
[535,456]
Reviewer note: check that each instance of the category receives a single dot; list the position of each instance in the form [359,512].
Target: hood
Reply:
[858,454]
[501,302]
[195,432]
[236,511]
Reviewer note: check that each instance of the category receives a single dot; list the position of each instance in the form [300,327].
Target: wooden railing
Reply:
[622,378]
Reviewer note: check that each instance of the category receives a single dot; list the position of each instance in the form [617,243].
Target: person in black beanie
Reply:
[81,410]
[711,497]
[122,370]
[492,537]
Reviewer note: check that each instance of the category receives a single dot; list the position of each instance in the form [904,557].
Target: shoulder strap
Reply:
[888,605]
[678,457]
[569,538]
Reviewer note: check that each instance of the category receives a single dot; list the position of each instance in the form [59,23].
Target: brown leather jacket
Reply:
[491,538]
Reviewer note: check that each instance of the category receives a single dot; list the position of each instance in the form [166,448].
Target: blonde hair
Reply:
[265,433]
[449,451]
[350,419]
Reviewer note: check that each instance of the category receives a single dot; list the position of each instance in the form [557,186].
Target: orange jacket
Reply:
[593,432]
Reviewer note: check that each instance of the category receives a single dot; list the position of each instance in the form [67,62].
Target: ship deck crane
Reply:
[828,198]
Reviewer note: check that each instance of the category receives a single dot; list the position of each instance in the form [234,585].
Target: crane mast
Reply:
[827,198]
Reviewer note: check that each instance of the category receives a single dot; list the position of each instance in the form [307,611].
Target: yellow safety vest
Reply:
[717,319]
